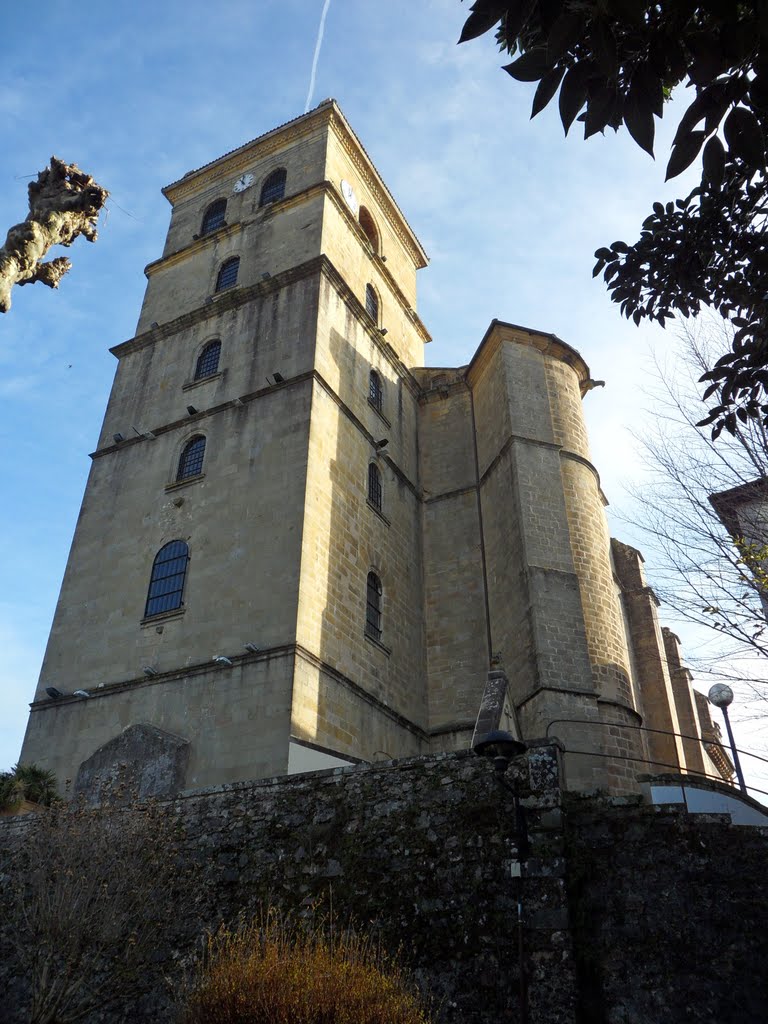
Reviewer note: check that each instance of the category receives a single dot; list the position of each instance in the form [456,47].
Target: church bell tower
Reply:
[239,596]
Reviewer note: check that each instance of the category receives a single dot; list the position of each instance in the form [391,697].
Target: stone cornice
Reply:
[381,267]
[195,246]
[233,298]
[549,344]
[327,188]
[369,698]
[326,114]
[242,400]
[230,164]
[375,185]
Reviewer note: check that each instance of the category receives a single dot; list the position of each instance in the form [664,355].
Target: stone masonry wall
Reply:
[631,914]
[419,851]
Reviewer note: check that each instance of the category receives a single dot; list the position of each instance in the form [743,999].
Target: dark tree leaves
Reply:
[484,16]
[744,136]
[684,153]
[616,62]
[548,86]
[532,66]
[713,162]
[573,93]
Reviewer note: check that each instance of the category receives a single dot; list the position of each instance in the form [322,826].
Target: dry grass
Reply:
[275,972]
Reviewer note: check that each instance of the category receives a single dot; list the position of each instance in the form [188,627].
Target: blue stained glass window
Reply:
[273,188]
[166,584]
[215,216]
[228,274]
[191,458]
[373,606]
[208,360]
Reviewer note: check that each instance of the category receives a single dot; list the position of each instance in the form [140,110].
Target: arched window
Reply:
[369,227]
[374,486]
[373,606]
[372,303]
[375,390]
[215,216]
[191,458]
[166,584]
[273,188]
[208,360]
[228,274]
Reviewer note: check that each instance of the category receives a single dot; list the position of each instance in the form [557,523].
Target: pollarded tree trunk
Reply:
[63,204]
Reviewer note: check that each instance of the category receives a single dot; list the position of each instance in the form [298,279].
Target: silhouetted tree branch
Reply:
[63,204]
[614,63]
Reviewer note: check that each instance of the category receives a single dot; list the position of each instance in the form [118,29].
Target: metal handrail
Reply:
[645,728]
[648,760]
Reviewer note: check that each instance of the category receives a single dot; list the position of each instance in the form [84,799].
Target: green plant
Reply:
[27,782]
[274,971]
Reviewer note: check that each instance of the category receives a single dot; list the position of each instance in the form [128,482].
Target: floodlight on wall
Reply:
[266,276]
[383,332]
[117,438]
[149,671]
[221,660]
[53,693]
[252,648]
[379,445]
[192,410]
[149,435]
[81,693]
[279,378]
[383,258]
[154,324]
[238,403]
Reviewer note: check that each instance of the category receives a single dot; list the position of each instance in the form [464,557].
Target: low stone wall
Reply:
[419,851]
[631,914]
[669,916]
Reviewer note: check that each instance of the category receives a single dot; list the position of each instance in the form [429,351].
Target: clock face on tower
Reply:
[243,182]
[349,194]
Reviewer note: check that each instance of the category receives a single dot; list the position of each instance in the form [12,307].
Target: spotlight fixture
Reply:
[149,671]
[279,378]
[382,444]
[192,410]
[154,324]
[81,693]
[53,693]
[265,276]
[383,332]
[118,437]
[195,237]
[238,403]
[252,648]
[383,258]
[221,660]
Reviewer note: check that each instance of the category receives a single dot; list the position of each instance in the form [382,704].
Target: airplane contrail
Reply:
[318,44]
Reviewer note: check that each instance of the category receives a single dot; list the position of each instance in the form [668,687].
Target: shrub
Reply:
[26,782]
[276,972]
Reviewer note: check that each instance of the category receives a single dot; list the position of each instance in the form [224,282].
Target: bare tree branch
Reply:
[63,204]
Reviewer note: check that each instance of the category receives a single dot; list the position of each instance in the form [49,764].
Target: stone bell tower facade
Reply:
[298,547]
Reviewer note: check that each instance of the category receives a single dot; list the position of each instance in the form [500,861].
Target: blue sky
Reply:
[509,211]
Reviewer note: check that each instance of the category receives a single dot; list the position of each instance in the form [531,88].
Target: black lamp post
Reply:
[500,747]
[722,696]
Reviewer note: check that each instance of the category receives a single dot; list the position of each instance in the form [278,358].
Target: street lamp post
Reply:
[500,747]
[722,696]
